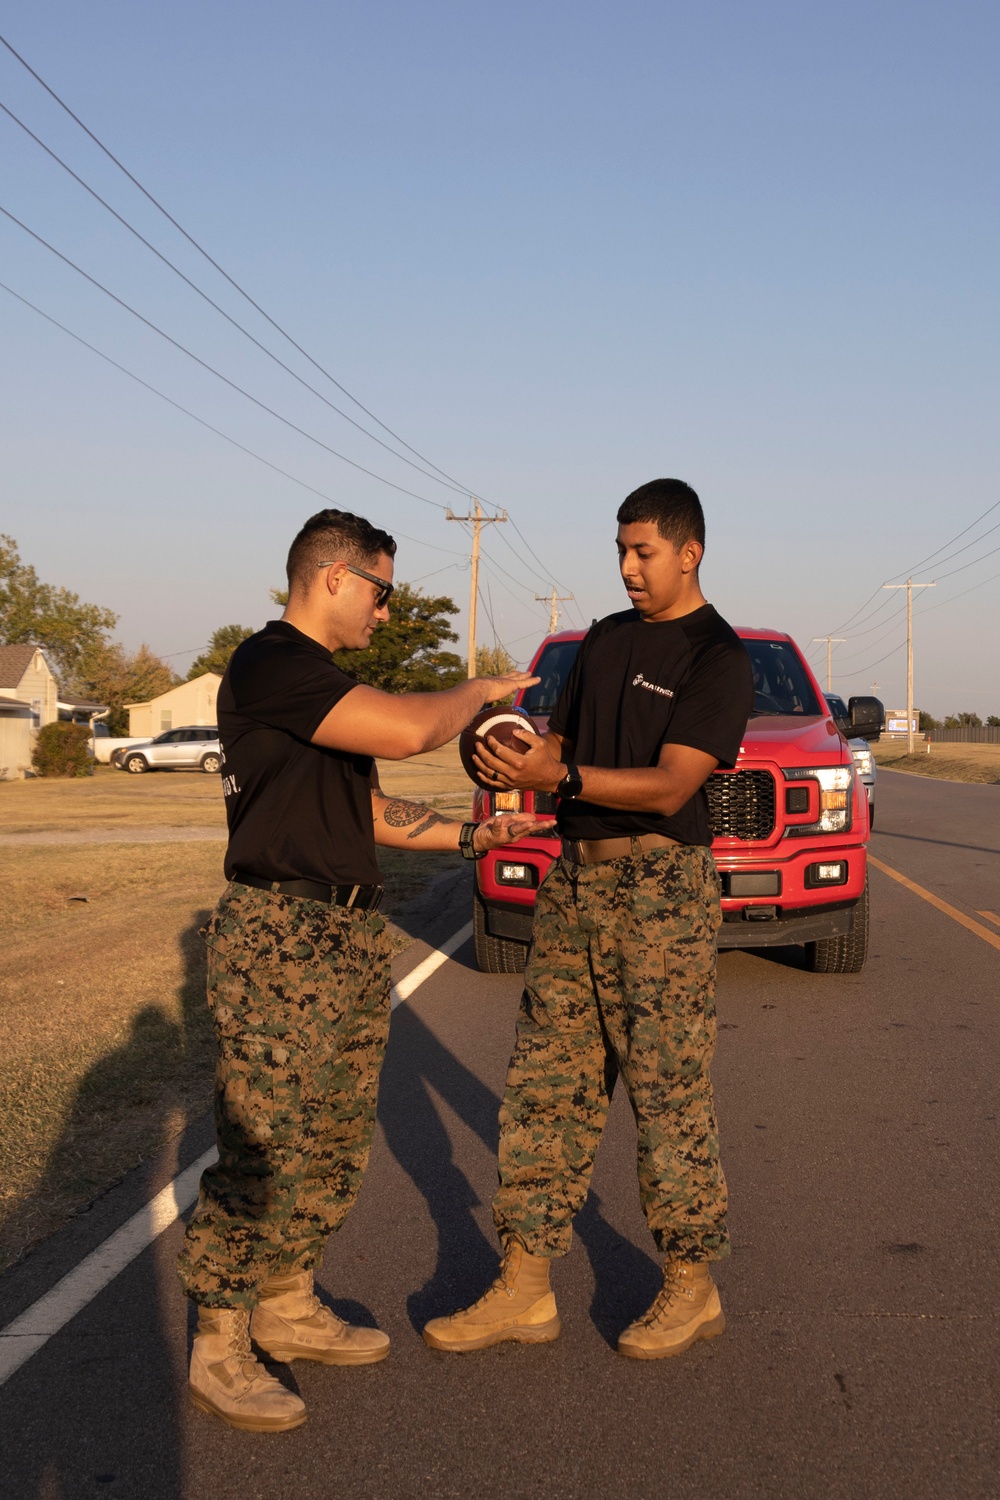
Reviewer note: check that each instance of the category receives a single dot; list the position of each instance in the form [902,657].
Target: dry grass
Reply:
[105,1045]
[977,763]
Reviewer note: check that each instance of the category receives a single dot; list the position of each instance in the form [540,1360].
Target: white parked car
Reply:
[193,748]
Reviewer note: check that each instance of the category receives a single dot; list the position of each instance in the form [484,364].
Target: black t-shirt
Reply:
[636,686]
[295,810]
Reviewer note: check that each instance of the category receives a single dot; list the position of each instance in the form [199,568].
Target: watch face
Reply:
[571,784]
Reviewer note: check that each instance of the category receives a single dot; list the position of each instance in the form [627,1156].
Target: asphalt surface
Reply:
[859,1129]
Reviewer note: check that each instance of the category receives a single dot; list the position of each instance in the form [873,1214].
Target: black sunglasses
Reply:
[385,589]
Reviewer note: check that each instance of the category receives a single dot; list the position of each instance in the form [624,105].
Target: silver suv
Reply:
[864,760]
[195,748]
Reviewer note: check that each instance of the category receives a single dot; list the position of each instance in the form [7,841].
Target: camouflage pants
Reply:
[620,979]
[299,993]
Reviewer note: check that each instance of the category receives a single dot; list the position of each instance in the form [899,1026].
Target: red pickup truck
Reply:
[790,821]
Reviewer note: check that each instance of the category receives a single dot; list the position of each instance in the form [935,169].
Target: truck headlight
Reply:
[834,797]
[835,787]
[506,802]
[863,762]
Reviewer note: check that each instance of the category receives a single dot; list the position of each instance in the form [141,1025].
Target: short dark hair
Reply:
[332,535]
[671,506]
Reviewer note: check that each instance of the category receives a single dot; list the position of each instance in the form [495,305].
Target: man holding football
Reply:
[621,970]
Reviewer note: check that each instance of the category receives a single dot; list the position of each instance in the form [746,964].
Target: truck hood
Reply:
[790,740]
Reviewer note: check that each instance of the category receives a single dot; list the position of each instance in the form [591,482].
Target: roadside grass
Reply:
[106,1049]
[973,763]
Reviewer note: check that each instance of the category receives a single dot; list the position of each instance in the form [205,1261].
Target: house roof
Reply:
[79,703]
[189,683]
[6,704]
[14,662]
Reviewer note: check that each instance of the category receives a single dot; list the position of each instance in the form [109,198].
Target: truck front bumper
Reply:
[785,927]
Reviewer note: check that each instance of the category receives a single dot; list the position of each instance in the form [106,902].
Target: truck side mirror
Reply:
[866,718]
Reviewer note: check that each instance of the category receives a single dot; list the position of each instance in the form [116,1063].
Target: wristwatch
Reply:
[468,849]
[571,784]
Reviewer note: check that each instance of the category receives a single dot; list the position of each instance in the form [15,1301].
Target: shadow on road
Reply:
[418,1066]
[70,1431]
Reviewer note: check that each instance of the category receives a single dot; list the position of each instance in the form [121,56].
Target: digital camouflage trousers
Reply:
[299,993]
[620,979]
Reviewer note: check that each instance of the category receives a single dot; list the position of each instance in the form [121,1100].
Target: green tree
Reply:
[963,721]
[405,654]
[927,721]
[993,722]
[41,614]
[215,657]
[110,674]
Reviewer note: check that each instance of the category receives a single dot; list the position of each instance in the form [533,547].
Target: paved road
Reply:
[859,1131]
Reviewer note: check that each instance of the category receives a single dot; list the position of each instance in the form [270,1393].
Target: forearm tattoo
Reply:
[431,821]
[413,815]
[397,814]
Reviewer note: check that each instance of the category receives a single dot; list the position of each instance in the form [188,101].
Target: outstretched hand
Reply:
[507,828]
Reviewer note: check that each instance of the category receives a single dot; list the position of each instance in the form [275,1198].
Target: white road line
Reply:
[26,1334]
[404,989]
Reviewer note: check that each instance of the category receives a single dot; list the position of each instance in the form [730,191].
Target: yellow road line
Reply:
[949,911]
[990,916]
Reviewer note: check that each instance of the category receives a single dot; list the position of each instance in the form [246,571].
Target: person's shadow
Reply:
[417,1063]
[96,1408]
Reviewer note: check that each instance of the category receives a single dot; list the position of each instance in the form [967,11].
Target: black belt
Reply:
[362,897]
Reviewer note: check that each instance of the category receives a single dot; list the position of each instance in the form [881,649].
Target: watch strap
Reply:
[467,848]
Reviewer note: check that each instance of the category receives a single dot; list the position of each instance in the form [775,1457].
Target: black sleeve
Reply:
[714,704]
[565,717]
[287,688]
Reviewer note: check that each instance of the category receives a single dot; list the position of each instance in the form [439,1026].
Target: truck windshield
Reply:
[553,668]
[780,682]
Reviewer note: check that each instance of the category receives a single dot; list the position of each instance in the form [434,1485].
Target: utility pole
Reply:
[909,586]
[553,600]
[477,520]
[874,687]
[830,641]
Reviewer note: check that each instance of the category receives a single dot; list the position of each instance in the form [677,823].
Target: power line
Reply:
[200,420]
[233,283]
[972,564]
[451,480]
[211,368]
[221,310]
[915,568]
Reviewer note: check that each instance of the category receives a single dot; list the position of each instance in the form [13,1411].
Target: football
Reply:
[510,726]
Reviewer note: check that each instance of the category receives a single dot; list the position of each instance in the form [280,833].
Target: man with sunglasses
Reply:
[298,963]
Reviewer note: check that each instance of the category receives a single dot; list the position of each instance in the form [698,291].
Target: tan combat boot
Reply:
[290,1322]
[227,1381]
[519,1306]
[687,1308]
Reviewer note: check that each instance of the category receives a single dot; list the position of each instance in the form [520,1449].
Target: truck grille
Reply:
[545,802]
[741,804]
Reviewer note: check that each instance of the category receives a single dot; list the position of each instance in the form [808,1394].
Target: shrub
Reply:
[62,750]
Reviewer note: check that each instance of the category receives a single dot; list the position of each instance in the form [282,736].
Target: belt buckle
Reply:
[573,848]
[377,898]
[352,897]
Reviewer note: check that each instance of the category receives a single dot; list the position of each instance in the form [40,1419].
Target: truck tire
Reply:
[842,955]
[494,955]
[211,763]
[135,764]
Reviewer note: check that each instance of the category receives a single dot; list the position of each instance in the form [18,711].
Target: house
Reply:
[29,698]
[189,703]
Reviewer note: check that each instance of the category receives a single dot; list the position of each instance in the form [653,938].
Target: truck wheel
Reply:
[871,815]
[842,955]
[136,764]
[494,955]
[210,763]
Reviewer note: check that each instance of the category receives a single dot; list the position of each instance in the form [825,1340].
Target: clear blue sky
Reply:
[561,249]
